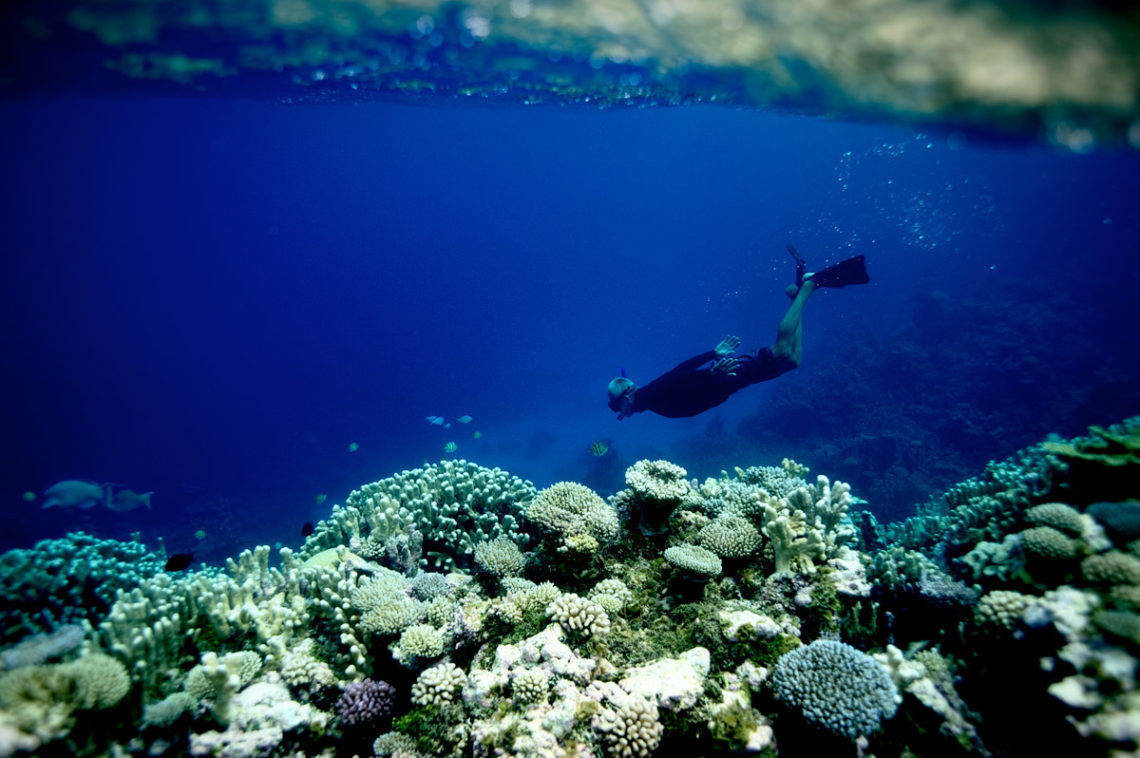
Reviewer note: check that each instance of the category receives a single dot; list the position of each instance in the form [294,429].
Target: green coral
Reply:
[68,580]
[1059,516]
[694,560]
[500,557]
[1048,543]
[1117,446]
[1110,568]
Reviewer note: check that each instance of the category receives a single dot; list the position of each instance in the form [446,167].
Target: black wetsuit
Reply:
[693,388]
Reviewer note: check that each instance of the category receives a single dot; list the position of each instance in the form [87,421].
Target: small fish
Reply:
[435,420]
[30,497]
[128,500]
[320,498]
[464,419]
[450,447]
[307,529]
[599,449]
[353,447]
[200,535]
[73,493]
[476,434]
[179,561]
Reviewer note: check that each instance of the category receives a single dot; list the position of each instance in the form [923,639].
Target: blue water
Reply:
[214,299]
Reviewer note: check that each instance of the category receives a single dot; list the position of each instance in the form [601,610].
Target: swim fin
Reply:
[801,265]
[842,274]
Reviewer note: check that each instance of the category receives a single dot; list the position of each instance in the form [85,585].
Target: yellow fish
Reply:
[599,449]
[450,447]
[353,447]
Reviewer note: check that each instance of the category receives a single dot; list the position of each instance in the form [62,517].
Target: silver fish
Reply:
[75,493]
[128,500]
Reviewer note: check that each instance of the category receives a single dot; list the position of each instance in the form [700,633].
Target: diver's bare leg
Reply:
[790,333]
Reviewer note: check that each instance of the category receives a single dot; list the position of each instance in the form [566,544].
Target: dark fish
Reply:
[307,529]
[179,561]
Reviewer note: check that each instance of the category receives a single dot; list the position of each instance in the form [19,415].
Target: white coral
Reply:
[631,731]
[579,615]
[437,685]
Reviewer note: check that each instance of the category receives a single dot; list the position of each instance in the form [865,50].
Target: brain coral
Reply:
[836,686]
[575,514]
[1047,542]
[1057,515]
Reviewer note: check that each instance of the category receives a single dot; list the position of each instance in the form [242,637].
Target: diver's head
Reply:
[621,393]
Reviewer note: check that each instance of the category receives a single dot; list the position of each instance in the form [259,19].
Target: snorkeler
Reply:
[695,386]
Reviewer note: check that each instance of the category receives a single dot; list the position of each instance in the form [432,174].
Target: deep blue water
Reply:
[213,299]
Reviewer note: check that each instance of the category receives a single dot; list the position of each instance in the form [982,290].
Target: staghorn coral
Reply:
[575,516]
[836,686]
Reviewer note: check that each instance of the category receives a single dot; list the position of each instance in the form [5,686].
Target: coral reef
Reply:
[754,613]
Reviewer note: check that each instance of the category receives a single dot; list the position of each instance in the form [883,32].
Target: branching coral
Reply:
[575,515]
[454,505]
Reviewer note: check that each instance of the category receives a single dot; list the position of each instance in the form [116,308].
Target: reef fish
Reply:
[74,493]
[464,419]
[599,449]
[128,500]
[306,529]
[450,447]
[353,447]
[435,420]
[179,561]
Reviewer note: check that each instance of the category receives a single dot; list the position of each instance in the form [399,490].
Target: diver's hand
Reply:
[727,346]
[727,366]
